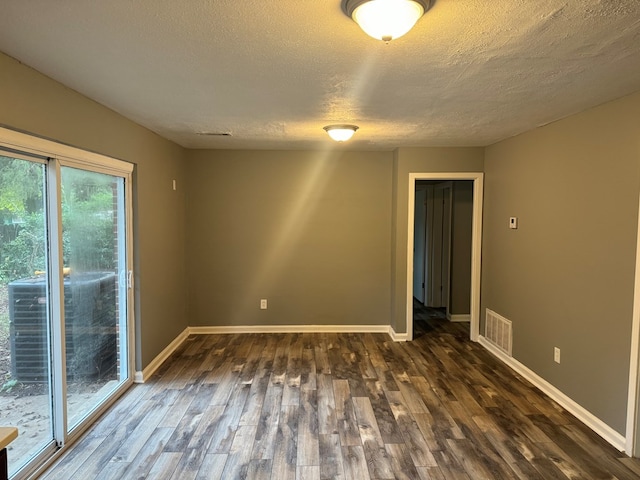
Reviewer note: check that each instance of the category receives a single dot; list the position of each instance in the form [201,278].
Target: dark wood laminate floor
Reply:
[344,406]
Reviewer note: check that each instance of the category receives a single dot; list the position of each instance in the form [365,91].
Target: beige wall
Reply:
[308,231]
[36,104]
[323,235]
[565,277]
[417,160]
[461,236]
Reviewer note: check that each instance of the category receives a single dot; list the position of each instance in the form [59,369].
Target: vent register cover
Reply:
[498,330]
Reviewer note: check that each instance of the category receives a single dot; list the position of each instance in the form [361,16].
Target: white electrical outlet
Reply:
[263,304]
[556,354]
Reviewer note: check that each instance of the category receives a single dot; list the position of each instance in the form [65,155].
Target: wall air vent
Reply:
[214,134]
[498,330]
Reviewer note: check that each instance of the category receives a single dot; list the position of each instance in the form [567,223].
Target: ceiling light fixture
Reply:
[386,20]
[341,133]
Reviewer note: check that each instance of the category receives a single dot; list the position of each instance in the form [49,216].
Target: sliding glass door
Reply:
[65,295]
[25,320]
[94,253]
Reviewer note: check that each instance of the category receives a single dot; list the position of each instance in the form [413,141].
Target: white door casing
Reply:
[476,243]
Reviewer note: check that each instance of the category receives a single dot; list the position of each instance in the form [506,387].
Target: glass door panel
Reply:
[95,282]
[25,323]
[64,292]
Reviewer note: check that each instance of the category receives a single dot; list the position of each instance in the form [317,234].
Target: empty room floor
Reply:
[343,406]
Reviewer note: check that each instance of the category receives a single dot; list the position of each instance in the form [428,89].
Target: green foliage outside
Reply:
[87,219]
[21,218]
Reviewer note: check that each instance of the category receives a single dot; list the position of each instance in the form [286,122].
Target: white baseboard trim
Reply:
[465,317]
[398,337]
[289,329]
[141,377]
[581,413]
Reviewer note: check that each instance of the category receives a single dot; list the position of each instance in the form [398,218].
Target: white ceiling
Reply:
[274,72]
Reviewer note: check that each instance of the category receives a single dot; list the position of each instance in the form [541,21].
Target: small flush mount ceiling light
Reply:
[386,20]
[341,133]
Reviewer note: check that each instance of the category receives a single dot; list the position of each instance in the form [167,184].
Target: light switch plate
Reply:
[513,223]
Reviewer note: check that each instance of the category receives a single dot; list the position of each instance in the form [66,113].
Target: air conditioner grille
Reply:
[90,327]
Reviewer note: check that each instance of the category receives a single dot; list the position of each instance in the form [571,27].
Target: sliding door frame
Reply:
[56,156]
[56,304]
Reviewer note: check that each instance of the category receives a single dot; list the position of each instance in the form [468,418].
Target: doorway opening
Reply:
[429,252]
[437,223]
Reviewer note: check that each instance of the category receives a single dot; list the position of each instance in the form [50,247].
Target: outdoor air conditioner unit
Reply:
[90,327]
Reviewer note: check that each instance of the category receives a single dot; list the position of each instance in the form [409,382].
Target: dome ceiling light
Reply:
[341,133]
[386,20]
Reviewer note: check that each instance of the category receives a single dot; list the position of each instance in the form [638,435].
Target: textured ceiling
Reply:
[274,72]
